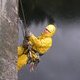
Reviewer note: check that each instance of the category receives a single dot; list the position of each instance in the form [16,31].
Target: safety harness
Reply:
[33,55]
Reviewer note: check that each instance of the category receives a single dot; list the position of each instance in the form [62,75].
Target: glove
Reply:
[25,43]
[26,38]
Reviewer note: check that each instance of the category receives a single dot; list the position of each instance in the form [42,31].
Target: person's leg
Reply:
[22,60]
[20,50]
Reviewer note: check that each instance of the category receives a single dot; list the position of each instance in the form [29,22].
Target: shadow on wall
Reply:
[33,13]
[38,10]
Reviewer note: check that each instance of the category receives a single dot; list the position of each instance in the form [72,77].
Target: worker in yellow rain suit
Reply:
[40,44]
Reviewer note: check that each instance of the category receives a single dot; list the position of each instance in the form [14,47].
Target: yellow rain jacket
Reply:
[41,44]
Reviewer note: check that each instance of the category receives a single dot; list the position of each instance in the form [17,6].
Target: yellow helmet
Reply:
[51,28]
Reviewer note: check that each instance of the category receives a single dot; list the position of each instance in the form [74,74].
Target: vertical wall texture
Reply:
[8,39]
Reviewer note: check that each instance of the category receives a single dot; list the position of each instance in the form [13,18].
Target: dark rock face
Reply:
[62,8]
[8,39]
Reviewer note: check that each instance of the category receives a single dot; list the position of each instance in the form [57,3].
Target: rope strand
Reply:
[23,14]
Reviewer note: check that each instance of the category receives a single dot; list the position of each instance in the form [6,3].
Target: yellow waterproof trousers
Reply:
[23,58]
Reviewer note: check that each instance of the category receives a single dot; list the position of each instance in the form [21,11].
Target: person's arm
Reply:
[40,43]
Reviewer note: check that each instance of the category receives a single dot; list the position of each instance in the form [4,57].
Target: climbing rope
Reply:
[33,61]
[23,14]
